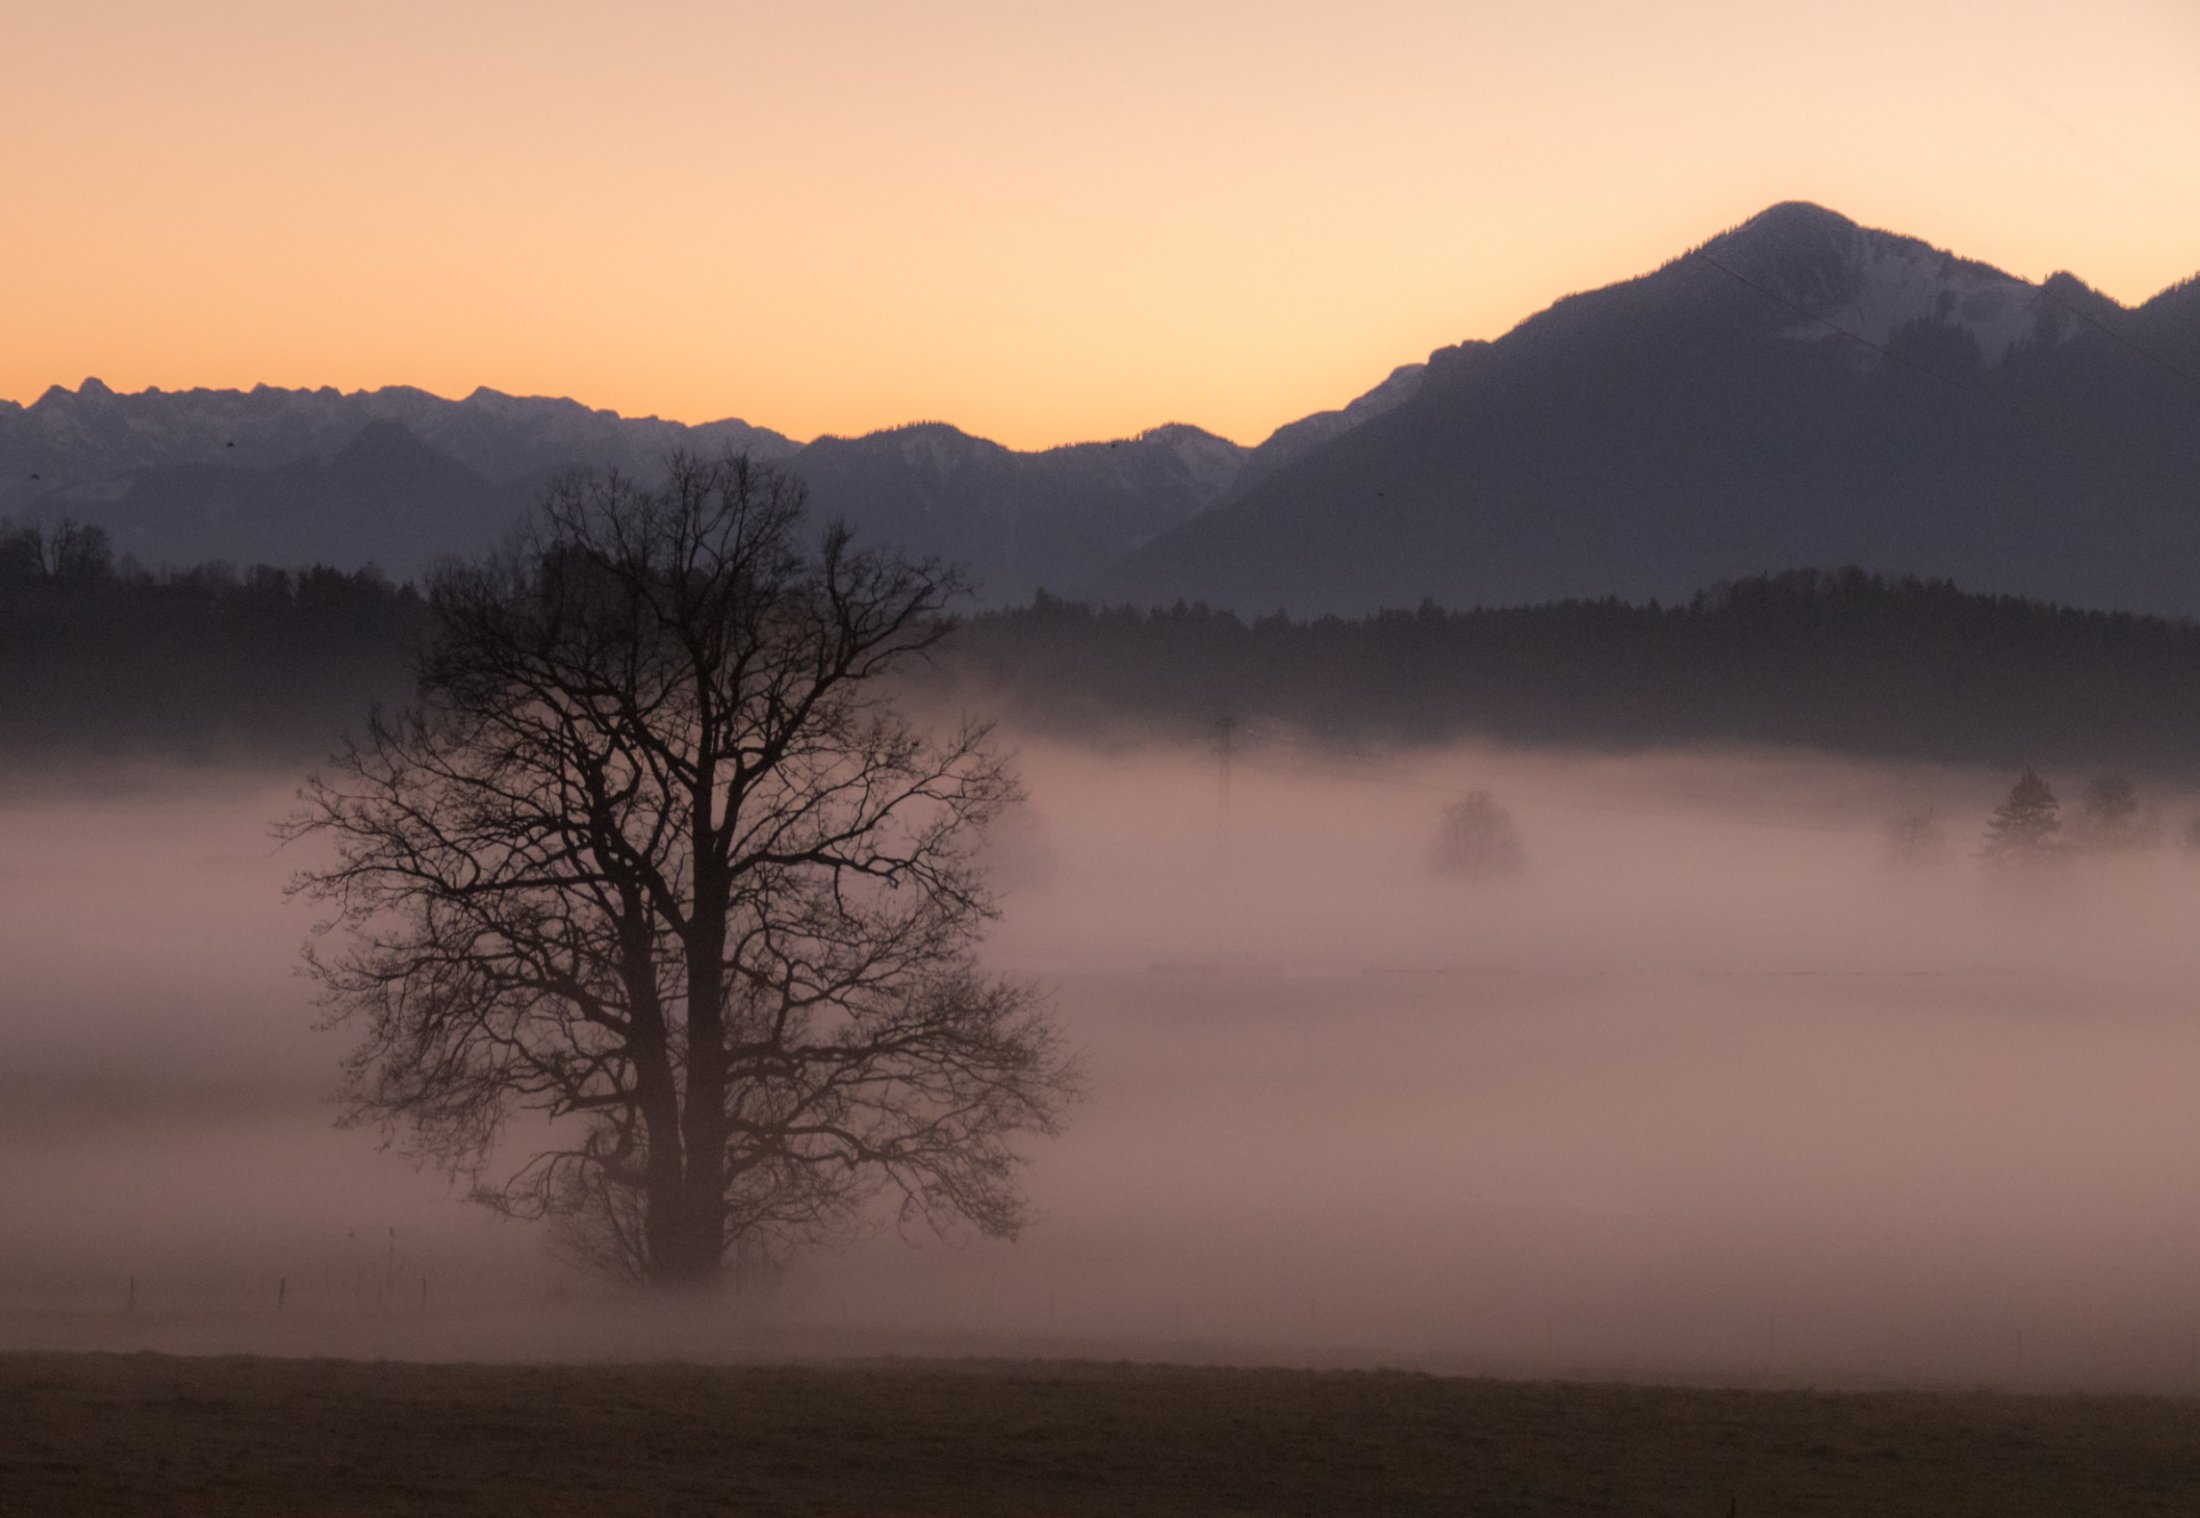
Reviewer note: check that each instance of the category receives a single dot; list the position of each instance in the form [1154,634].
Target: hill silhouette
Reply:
[264,664]
[1798,390]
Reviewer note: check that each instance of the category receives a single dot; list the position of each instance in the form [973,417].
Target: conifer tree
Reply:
[2109,812]
[2024,829]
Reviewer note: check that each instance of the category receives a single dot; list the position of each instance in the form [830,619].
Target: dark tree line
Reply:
[1843,661]
[263,662]
[108,658]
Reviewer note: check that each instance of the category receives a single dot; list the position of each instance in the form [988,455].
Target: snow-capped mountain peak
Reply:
[1859,283]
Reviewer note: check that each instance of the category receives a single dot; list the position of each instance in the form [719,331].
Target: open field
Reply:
[1710,1095]
[98,1434]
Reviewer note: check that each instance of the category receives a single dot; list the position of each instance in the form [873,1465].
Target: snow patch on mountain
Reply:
[1894,285]
[1209,463]
[1294,440]
[82,439]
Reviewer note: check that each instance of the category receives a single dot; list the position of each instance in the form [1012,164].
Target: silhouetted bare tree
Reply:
[654,856]
[69,554]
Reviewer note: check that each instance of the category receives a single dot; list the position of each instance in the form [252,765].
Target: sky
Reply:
[1043,222]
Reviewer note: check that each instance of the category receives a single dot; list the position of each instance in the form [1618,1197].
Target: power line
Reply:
[1855,337]
[2114,336]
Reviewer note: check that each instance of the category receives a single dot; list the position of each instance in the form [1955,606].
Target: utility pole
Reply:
[1225,727]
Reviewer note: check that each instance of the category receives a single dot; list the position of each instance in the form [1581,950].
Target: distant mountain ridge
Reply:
[81,439]
[399,477]
[1797,390]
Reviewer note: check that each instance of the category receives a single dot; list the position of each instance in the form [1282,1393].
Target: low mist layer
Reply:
[1716,1071]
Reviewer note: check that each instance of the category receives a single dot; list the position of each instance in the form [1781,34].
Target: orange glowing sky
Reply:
[1040,221]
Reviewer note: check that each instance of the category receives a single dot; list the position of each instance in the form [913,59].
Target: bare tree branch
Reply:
[653,856]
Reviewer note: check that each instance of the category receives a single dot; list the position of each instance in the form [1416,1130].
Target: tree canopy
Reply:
[653,856]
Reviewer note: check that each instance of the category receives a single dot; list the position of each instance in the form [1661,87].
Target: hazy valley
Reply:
[1715,1088]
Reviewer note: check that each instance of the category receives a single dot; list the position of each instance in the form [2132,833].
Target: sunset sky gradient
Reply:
[1042,222]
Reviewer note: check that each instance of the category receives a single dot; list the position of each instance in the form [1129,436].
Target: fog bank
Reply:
[1711,1087]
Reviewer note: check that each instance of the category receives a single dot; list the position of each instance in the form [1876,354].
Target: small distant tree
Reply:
[70,553]
[79,555]
[2026,828]
[1915,838]
[2108,815]
[22,553]
[1477,840]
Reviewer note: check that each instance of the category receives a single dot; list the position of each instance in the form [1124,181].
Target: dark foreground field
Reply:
[145,1434]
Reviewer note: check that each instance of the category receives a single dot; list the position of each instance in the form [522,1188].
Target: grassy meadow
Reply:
[146,1434]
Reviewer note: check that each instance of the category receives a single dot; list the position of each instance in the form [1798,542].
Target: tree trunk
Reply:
[667,1255]
[664,1198]
[695,1240]
[701,1224]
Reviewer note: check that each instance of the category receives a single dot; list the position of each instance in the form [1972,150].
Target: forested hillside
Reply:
[1845,661]
[273,665]
[211,663]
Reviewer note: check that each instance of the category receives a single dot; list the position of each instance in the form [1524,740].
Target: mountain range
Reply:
[1799,390]
[399,477]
